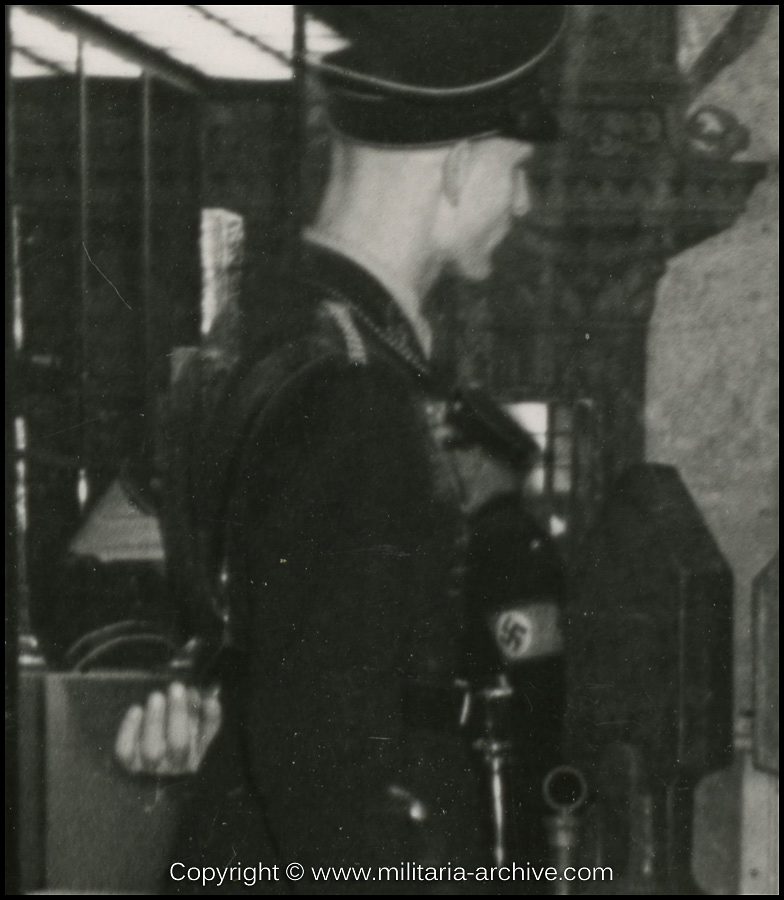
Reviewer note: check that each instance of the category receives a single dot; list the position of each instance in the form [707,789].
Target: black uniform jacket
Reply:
[343,548]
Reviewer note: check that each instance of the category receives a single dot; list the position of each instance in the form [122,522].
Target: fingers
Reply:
[211,718]
[182,712]
[127,745]
[192,759]
[171,734]
[154,732]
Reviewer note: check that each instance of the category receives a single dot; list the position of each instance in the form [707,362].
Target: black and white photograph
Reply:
[392,450]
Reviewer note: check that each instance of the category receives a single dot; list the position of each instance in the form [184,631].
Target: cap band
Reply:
[380,119]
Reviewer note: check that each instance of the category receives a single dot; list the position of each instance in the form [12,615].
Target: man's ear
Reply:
[454,173]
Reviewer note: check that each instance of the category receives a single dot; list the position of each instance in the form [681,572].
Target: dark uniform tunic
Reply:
[343,550]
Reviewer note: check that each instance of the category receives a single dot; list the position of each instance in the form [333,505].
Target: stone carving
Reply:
[714,132]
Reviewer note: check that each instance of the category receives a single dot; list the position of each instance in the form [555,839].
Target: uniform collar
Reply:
[403,315]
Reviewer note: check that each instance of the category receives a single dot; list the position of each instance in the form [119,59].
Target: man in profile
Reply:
[328,513]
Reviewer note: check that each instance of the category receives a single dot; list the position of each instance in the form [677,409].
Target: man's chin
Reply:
[475,271]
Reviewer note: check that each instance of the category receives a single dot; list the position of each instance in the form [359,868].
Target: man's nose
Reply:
[521,201]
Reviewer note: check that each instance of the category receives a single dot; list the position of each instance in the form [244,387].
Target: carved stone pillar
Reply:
[566,313]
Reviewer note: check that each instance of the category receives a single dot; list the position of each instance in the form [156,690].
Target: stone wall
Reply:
[712,383]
